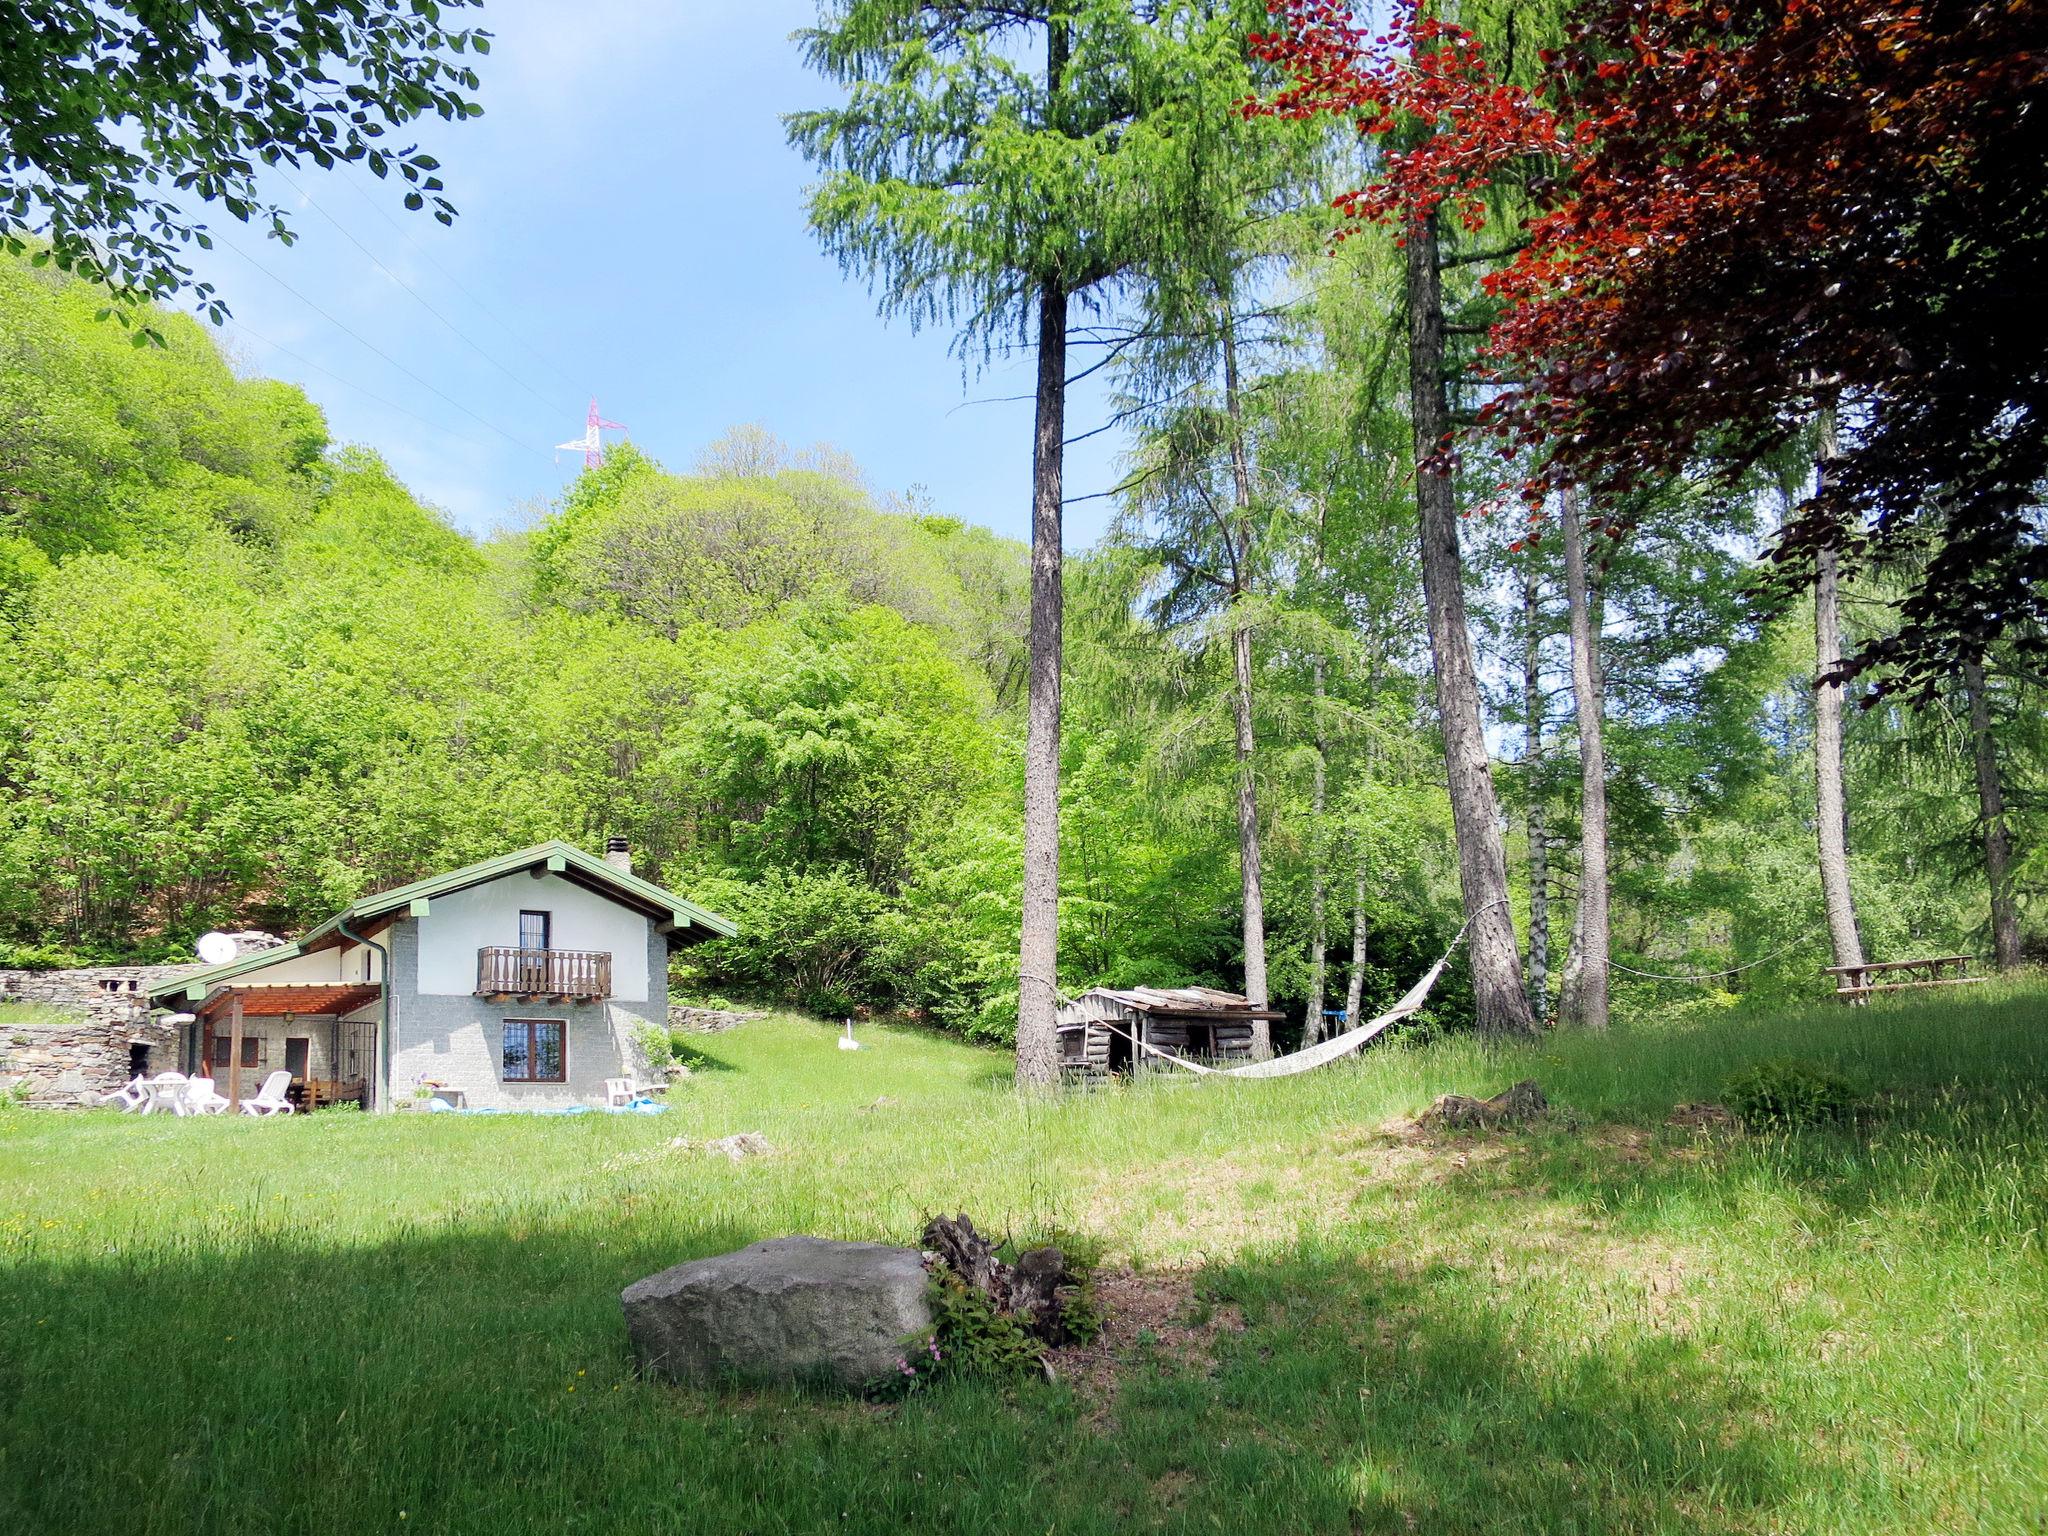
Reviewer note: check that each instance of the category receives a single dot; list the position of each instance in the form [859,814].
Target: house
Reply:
[1101,1030]
[519,983]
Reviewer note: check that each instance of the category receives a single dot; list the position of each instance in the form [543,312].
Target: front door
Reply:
[298,1051]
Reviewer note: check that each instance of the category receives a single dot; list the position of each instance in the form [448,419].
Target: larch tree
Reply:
[991,166]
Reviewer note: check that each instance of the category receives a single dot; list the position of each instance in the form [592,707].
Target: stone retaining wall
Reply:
[706,1021]
[98,1013]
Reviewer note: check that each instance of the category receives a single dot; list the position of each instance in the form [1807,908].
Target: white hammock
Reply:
[1312,1056]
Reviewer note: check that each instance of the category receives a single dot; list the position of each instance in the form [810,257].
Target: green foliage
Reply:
[1792,1095]
[803,937]
[101,104]
[39,957]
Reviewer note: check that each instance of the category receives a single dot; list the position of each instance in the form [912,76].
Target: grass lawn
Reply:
[341,1323]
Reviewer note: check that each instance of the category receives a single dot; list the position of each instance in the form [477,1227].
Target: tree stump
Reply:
[1514,1106]
[1031,1290]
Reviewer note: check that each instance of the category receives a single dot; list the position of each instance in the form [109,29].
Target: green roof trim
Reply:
[555,856]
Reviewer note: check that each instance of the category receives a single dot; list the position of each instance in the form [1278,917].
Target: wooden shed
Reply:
[1098,1029]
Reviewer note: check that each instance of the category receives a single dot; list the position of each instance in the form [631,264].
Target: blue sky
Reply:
[631,228]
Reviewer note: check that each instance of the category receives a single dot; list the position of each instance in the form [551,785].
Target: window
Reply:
[535,1051]
[534,930]
[252,1050]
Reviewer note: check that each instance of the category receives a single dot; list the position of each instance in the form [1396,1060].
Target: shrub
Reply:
[803,937]
[38,957]
[1787,1094]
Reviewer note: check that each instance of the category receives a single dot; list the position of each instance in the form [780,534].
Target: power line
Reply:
[372,346]
[453,329]
[278,346]
[460,287]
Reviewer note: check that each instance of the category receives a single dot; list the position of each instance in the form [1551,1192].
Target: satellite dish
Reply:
[217,948]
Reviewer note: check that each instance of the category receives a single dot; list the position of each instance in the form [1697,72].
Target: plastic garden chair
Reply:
[200,1099]
[131,1095]
[271,1097]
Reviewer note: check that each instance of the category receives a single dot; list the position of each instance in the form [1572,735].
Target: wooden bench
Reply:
[1853,981]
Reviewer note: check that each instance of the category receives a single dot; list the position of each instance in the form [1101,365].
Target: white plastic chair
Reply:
[164,1091]
[131,1095]
[271,1097]
[618,1092]
[200,1098]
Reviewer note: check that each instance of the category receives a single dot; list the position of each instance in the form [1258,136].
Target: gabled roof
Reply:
[558,858]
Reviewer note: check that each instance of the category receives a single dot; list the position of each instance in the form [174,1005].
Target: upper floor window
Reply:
[535,930]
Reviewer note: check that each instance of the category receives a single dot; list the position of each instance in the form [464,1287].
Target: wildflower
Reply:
[905,1366]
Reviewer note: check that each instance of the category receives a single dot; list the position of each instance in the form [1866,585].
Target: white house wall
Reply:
[486,916]
[322,968]
[458,1039]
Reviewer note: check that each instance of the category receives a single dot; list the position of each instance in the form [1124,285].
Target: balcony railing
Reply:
[543,973]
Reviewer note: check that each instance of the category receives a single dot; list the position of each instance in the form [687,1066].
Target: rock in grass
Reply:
[745,1144]
[1515,1106]
[790,1309]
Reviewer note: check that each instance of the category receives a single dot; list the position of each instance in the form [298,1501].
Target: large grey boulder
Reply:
[788,1309]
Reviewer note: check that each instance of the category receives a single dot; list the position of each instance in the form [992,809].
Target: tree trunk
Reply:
[1254,899]
[1354,993]
[1587,1004]
[1248,837]
[1318,897]
[2005,912]
[1038,949]
[1503,1007]
[1831,812]
[1537,821]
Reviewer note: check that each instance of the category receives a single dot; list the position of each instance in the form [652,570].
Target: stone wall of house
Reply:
[98,1013]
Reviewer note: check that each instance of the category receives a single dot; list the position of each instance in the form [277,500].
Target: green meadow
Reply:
[341,1323]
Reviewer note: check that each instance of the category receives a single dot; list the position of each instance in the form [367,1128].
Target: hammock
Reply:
[1312,1056]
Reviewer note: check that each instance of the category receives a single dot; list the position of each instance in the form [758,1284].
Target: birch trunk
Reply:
[1038,948]
[1503,1007]
[1354,993]
[1831,812]
[1586,1001]
[2005,912]
[1318,899]
[1537,823]
[1248,839]
[1248,858]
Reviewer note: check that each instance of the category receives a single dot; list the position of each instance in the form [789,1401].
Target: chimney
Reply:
[619,854]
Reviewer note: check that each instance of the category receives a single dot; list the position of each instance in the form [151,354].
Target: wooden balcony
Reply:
[563,975]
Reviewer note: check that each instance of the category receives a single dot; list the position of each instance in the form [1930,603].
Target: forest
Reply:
[254,676]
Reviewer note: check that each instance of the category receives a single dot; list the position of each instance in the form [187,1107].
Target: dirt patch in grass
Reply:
[1147,1314]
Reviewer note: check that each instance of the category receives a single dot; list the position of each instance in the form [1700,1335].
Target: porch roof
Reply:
[278,1001]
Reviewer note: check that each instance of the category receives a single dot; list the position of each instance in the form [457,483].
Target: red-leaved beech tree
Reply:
[1751,212]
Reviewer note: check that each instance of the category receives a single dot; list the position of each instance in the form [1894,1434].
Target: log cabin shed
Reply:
[1098,1029]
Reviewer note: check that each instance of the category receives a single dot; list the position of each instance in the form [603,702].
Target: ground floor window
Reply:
[253,1053]
[535,1052]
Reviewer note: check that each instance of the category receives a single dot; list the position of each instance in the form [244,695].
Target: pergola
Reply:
[284,1000]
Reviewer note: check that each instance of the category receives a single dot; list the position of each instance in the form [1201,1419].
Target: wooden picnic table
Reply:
[1853,981]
